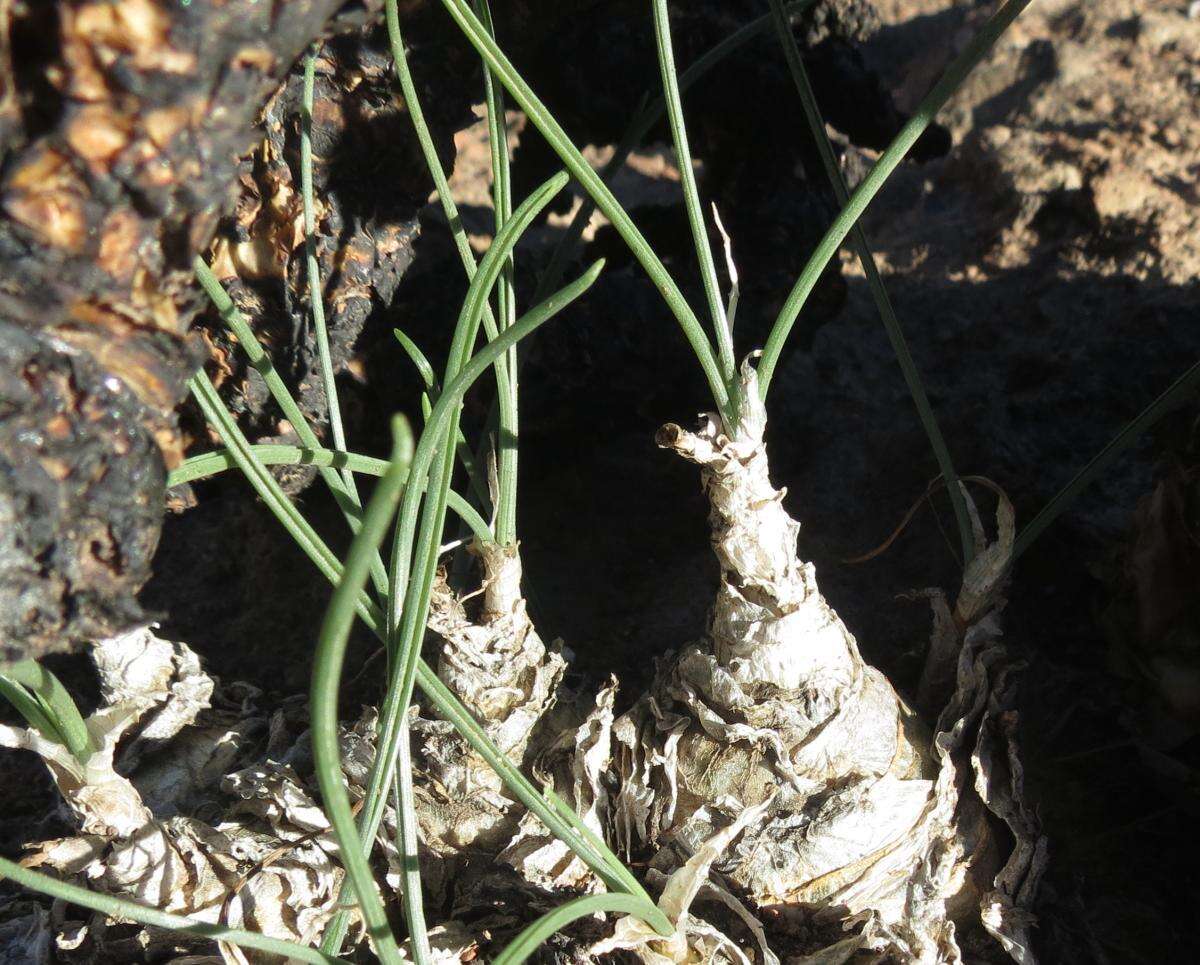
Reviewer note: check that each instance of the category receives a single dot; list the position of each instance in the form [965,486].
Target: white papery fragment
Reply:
[141,669]
[449,944]
[869,822]
[164,680]
[714,890]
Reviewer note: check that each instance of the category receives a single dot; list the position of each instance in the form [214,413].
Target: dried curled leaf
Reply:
[141,669]
[449,944]
[574,766]
[694,940]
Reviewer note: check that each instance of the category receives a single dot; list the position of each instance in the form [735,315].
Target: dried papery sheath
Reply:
[979,771]
[694,940]
[449,944]
[574,766]
[976,735]
[140,668]
[866,819]
[270,865]
[500,668]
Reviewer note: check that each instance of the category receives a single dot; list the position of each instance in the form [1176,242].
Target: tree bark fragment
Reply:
[120,125]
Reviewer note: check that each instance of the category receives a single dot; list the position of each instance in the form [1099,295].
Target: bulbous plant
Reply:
[781,703]
[493,660]
[776,709]
[502,671]
[268,864]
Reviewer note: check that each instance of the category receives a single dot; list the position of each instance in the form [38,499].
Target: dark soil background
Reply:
[1041,250]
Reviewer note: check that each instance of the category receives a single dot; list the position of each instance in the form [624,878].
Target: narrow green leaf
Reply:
[530,940]
[316,301]
[691,195]
[273,454]
[544,121]
[211,463]
[145,915]
[974,52]
[418,359]
[346,498]
[56,704]
[1174,395]
[326,681]
[883,304]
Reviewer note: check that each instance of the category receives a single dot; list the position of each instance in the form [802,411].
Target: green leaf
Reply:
[56,706]
[145,915]
[945,88]
[858,238]
[528,942]
[552,131]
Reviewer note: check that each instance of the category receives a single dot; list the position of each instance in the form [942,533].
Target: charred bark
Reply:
[370,184]
[120,125]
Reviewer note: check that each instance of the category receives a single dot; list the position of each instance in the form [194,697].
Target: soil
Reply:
[1041,250]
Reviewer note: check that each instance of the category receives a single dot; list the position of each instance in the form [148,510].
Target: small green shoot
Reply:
[39,696]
